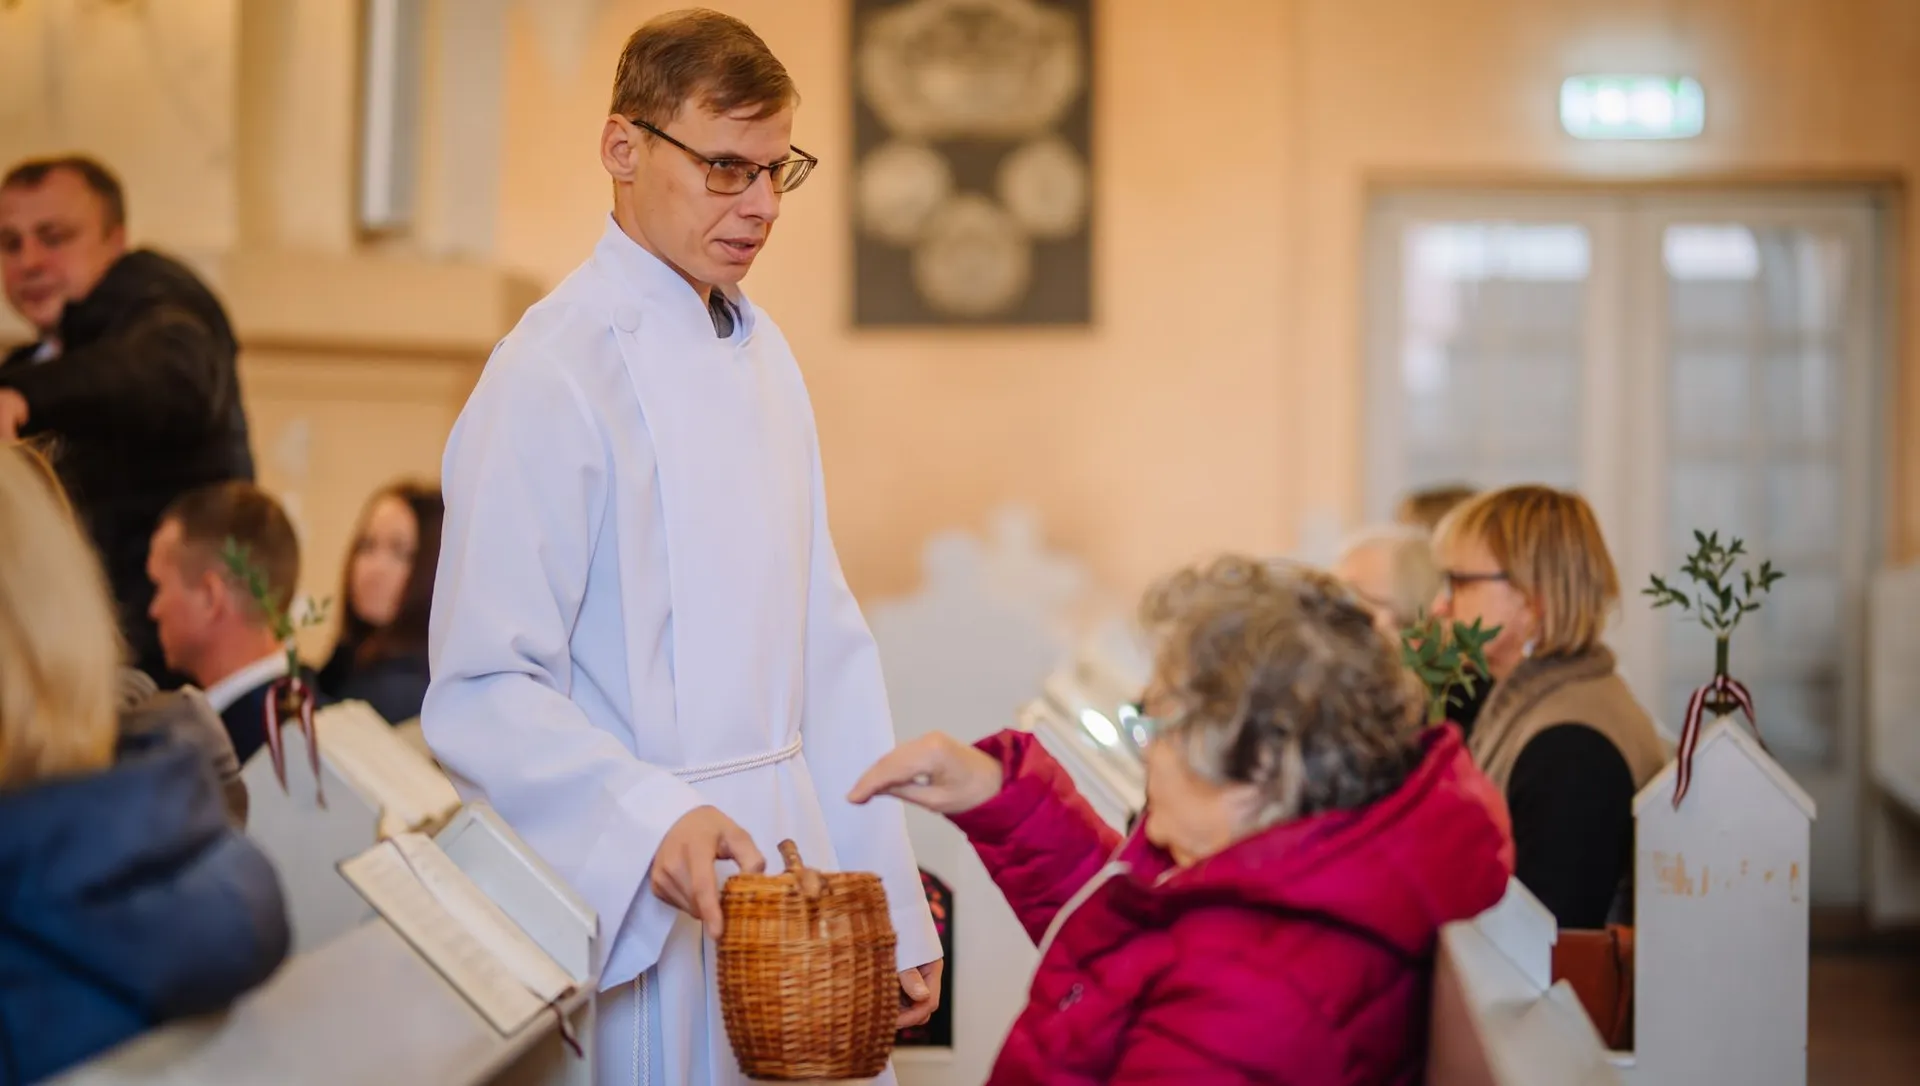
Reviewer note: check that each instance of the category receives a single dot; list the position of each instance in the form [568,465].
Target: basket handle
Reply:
[811,884]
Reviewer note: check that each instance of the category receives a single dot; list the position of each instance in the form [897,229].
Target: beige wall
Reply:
[153,96]
[1216,401]
[353,371]
[1151,436]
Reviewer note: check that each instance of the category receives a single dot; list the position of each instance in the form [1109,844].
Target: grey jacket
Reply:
[151,719]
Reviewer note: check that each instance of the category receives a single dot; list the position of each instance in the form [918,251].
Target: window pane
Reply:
[1708,497]
[1491,332]
[1709,405]
[1802,402]
[1754,414]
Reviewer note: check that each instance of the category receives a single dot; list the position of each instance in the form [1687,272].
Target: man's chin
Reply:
[44,319]
[728,274]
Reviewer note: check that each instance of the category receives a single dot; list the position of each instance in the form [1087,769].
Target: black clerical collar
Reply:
[721,309]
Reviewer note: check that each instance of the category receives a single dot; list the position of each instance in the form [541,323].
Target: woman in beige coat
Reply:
[1560,734]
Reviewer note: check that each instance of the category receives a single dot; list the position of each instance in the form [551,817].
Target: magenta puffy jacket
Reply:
[1301,955]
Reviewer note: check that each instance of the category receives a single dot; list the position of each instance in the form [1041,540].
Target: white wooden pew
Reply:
[1721,889]
[1495,1020]
[1892,812]
[961,654]
[374,784]
[368,1009]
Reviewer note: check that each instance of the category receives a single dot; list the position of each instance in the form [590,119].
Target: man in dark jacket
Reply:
[132,376]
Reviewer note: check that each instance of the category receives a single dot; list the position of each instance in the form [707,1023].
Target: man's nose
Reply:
[760,201]
[31,256]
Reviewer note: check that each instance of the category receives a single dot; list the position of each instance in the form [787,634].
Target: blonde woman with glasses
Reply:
[128,899]
[1559,733]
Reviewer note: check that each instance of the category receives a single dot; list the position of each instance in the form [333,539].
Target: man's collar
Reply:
[221,695]
[639,267]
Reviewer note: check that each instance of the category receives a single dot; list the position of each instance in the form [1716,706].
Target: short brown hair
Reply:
[1549,545]
[701,55]
[1426,508]
[33,173]
[250,517]
[1283,681]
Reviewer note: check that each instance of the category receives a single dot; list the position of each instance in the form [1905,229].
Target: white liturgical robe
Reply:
[639,611]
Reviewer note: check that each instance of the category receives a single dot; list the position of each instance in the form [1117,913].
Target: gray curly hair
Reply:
[1281,680]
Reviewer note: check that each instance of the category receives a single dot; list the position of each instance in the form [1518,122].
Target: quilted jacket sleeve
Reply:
[1038,838]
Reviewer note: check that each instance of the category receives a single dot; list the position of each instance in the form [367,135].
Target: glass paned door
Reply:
[1479,347]
[1700,361]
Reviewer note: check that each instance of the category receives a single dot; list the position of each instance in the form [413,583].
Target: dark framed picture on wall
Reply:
[973,173]
[938,1030]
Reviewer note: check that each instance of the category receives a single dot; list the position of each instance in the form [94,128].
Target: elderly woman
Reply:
[1559,733]
[129,899]
[1391,569]
[1272,918]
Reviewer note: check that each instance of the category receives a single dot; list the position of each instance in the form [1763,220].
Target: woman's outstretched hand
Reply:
[935,771]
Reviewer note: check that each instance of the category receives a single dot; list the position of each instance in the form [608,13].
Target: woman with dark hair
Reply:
[386,593]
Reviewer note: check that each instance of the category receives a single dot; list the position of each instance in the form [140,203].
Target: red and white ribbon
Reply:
[1722,688]
[275,749]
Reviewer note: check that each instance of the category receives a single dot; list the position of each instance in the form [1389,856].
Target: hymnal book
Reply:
[407,789]
[480,951]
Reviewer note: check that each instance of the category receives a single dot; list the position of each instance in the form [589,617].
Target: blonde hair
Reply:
[1282,681]
[1548,543]
[40,453]
[1416,576]
[59,645]
[1425,509]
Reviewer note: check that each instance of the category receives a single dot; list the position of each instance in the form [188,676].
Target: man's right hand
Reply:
[683,874]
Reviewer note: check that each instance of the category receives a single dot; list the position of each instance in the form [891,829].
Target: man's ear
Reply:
[117,238]
[621,146]
[219,595]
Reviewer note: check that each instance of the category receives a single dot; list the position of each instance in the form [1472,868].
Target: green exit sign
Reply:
[1632,107]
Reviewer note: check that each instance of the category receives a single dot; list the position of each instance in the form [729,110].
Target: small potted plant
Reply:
[1449,658]
[1719,601]
[290,697]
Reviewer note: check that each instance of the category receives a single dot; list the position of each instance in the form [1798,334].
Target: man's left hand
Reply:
[13,414]
[920,992]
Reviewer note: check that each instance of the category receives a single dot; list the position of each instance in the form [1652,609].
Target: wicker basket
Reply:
[807,975]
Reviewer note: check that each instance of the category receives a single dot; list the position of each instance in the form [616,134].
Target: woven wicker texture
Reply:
[807,979]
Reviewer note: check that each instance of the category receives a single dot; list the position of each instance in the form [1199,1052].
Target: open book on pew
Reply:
[459,930]
[371,784]
[380,1005]
[396,778]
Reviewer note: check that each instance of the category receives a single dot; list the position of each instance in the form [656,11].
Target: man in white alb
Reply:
[644,654]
